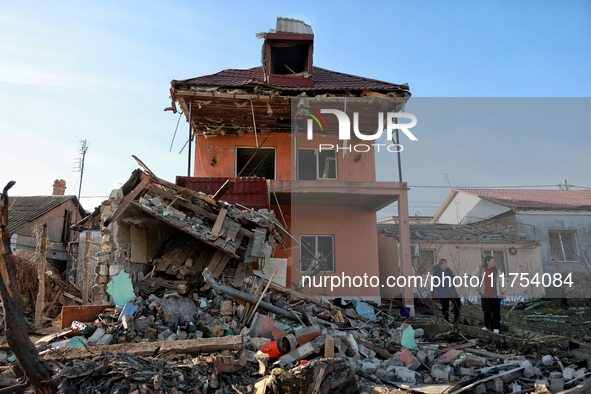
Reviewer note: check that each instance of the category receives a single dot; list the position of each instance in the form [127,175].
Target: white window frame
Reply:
[561,234]
[317,158]
[254,147]
[316,250]
[491,252]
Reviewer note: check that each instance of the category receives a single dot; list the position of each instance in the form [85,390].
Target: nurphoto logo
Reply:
[390,120]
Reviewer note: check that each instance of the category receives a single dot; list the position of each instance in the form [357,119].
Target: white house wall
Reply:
[464,258]
[467,209]
[536,224]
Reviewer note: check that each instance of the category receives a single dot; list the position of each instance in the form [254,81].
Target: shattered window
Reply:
[499,256]
[256,162]
[316,254]
[564,246]
[326,164]
[314,164]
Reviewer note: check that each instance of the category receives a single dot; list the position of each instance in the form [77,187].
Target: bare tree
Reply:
[37,373]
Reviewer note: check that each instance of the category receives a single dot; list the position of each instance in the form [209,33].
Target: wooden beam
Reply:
[218,270]
[217,226]
[188,346]
[72,297]
[222,190]
[88,243]
[128,199]
[378,95]
[383,353]
[215,260]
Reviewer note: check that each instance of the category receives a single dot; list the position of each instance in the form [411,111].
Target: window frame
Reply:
[317,162]
[491,252]
[560,234]
[260,149]
[316,236]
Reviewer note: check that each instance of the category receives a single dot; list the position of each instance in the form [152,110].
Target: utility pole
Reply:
[42,244]
[80,162]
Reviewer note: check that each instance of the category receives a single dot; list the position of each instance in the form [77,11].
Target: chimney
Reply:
[59,187]
[287,54]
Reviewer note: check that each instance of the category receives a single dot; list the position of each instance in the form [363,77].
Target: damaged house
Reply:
[159,237]
[559,220]
[249,128]
[58,211]
[465,247]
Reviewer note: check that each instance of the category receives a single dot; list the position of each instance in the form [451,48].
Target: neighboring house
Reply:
[326,199]
[560,220]
[26,213]
[465,247]
[411,219]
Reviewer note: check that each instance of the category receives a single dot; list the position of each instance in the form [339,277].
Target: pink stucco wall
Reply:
[352,166]
[355,238]
[388,258]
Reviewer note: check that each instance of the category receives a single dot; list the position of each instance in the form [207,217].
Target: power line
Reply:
[483,187]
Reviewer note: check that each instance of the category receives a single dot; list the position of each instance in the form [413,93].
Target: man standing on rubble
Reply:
[491,292]
[446,292]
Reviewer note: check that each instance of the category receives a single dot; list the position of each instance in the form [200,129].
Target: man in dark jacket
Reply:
[446,292]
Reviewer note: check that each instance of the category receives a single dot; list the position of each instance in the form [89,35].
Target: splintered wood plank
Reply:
[215,231]
[328,346]
[221,265]
[128,199]
[188,346]
[225,187]
[215,260]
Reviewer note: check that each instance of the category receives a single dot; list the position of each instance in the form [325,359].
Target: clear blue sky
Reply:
[101,71]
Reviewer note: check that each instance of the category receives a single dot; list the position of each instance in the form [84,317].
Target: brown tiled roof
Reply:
[324,80]
[534,199]
[25,209]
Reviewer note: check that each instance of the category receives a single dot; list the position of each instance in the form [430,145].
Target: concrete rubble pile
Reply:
[203,345]
[198,319]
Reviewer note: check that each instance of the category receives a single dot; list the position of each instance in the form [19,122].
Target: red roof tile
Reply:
[251,192]
[540,199]
[324,80]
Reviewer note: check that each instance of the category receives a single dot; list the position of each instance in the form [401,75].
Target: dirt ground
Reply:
[549,318]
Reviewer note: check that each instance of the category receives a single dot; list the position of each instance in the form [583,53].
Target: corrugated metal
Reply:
[248,191]
[288,25]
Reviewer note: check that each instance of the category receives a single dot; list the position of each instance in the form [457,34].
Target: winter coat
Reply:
[499,289]
[445,289]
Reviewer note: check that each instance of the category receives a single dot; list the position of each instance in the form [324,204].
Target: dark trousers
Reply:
[457,303]
[491,307]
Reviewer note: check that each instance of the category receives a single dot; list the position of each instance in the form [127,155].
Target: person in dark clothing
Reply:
[491,292]
[446,292]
